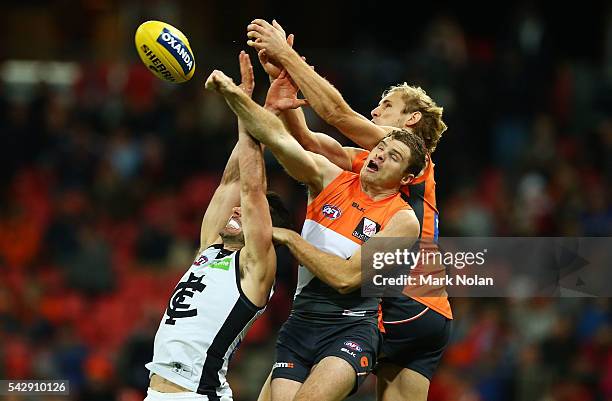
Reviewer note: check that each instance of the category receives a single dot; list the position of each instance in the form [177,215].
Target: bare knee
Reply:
[397,384]
[283,389]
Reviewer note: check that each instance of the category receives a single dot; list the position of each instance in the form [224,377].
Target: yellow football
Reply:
[165,51]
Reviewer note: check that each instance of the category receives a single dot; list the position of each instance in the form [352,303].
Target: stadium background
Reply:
[106,172]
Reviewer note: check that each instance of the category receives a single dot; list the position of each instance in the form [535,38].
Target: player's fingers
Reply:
[211,81]
[290,39]
[263,57]
[246,70]
[257,27]
[278,26]
[299,103]
[255,45]
[254,35]
[242,65]
[261,22]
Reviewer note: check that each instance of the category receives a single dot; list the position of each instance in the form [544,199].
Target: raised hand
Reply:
[282,94]
[219,82]
[247,77]
[270,66]
[264,36]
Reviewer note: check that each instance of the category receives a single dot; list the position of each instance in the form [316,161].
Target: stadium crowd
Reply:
[104,184]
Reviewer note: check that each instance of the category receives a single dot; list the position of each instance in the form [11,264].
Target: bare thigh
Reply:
[332,379]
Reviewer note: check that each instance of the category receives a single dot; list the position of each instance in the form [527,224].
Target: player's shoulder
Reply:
[328,170]
[403,222]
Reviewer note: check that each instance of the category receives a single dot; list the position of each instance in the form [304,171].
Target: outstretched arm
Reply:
[343,275]
[257,259]
[227,194]
[307,167]
[327,102]
[282,100]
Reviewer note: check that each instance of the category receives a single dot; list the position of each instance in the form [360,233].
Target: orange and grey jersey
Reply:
[206,318]
[338,221]
[421,195]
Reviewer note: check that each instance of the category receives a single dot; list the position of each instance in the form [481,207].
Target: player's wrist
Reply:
[271,107]
[286,54]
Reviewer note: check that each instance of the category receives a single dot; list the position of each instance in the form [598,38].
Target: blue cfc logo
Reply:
[178,49]
[331,212]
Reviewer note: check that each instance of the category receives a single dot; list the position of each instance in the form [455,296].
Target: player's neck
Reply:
[232,246]
[376,192]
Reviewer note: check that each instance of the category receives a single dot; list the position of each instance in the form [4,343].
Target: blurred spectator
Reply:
[104,183]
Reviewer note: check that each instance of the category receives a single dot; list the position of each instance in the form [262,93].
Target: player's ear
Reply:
[413,118]
[407,179]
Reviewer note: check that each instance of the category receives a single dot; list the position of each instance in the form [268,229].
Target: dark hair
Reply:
[417,149]
[279,213]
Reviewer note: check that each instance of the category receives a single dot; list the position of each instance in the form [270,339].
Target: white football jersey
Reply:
[206,318]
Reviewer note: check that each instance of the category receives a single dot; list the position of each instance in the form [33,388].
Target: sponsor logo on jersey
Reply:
[288,365]
[177,307]
[356,206]
[365,362]
[366,229]
[177,49]
[353,345]
[223,264]
[181,369]
[331,212]
[351,353]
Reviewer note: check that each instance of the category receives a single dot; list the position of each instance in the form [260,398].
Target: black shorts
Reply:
[302,344]
[415,336]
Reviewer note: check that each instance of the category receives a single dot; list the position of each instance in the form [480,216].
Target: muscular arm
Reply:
[226,197]
[344,275]
[282,100]
[304,166]
[326,101]
[317,142]
[329,104]
[227,194]
[258,259]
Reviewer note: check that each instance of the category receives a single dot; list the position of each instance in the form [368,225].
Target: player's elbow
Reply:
[346,288]
[349,284]
[253,186]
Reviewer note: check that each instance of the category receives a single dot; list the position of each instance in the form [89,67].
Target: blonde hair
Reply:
[430,127]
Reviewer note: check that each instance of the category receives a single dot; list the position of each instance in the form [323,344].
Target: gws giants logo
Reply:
[331,212]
